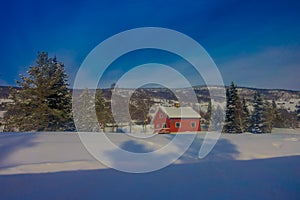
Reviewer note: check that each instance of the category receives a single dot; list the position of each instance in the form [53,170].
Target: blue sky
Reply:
[254,44]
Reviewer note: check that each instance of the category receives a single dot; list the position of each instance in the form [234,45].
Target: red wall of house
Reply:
[184,126]
[157,121]
[171,123]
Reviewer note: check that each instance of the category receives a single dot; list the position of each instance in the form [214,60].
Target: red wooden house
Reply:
[176,119]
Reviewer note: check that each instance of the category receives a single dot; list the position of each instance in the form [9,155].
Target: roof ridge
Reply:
[180,112]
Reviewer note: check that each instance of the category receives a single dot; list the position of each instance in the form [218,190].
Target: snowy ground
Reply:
[57,166]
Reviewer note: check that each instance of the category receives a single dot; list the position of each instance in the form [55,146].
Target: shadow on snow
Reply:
[273,178]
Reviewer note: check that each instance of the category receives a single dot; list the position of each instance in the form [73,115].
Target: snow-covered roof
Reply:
[180,112]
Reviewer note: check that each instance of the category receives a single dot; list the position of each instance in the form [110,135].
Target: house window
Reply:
[164,125]
[193,124]
[177,124]
[160,115]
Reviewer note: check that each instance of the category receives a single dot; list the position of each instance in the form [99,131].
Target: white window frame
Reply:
[177,125]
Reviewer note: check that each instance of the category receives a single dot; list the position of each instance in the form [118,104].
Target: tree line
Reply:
[44,103]
[262,119]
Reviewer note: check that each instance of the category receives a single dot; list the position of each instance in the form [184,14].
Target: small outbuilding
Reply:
[176,119]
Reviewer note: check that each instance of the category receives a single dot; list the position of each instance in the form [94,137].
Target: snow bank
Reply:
[242,166]
[22,153]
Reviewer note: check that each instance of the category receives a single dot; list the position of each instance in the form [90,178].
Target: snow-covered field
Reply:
[242,166]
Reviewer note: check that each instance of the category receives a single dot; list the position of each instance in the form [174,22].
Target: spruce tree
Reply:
[238,115]
[228,127]
[234,112]
[258,121]
[245,116]
[43,102]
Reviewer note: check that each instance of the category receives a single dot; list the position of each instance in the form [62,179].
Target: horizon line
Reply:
[195,86]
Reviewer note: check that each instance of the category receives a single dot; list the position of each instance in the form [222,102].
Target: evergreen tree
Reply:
[258,121]
[43,102]
[238,115]
[245,116]
[228,127]
[234,111]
